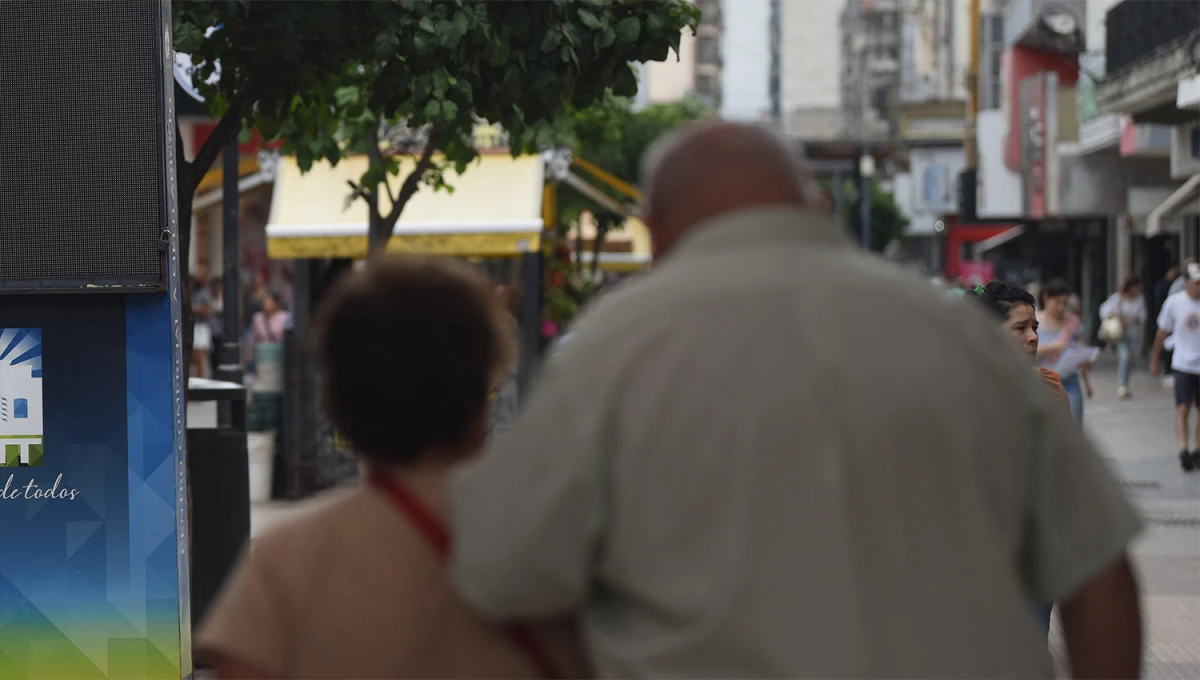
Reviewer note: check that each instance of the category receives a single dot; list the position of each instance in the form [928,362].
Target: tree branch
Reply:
[411,183]
[359,191]
[225,130]
[376,158]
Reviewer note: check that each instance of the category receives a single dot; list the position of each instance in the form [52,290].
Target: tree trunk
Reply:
[187,319]
[603,225]
[387,223]
[579,249]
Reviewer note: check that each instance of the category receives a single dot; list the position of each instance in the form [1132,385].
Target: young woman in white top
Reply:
[1128,307]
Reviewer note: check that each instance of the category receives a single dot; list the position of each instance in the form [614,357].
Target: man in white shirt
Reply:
[775,456]
[1180,319]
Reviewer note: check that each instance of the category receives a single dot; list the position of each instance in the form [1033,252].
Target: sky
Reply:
[747,59]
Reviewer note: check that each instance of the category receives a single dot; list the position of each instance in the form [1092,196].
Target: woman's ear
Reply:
[477,432]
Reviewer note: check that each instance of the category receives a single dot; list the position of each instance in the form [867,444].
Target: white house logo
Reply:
[21,396]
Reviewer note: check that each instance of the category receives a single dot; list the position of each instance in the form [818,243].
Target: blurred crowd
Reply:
[263,318]
[770,456]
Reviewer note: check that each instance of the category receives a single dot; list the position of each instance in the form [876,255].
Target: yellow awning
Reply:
[213,178]
[634,232]
[494,211]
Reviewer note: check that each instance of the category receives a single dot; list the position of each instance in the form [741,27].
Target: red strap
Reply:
[435,534]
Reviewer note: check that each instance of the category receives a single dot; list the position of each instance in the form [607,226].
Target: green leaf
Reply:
[449,110]
[187,37]
[517,19]
[424,44]
[427,25]
[461,22]
[433,109]
[448,34]
[625,83]
[550,41]
[441,82]
[628,29]
[346,96]
[500,53]
[589,19]
[386,44]
[606,38]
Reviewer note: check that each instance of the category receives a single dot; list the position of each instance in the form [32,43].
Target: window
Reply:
[708,50]
[20,408]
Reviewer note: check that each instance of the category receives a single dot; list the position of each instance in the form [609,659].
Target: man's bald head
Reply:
[705,170]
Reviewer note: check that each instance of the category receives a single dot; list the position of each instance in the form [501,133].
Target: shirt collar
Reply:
[760,227]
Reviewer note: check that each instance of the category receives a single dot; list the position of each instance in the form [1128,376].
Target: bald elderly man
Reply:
[775,456]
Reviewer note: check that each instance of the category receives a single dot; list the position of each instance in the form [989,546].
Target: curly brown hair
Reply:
[409,349]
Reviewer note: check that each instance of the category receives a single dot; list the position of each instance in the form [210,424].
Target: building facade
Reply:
[870,66]
[806,55]
[696,72]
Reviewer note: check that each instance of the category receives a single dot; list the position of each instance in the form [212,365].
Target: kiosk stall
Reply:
[93,504]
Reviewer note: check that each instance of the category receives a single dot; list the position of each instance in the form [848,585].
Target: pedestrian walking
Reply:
[358,587]
[202,314]
[1178,285]
[1061,330]
[1016,308]
[1162,290]
[1180,319]
[268,325]
[777,456]
[1123,321]
[216,321]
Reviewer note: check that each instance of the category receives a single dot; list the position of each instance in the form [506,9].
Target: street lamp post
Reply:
[866,164]
[229,353]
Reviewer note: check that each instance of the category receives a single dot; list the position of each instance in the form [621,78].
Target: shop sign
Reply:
[1039,141]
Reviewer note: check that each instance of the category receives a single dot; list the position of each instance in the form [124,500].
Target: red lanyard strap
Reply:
[435,534]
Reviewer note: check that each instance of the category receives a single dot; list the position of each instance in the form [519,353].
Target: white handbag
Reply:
[1112,330]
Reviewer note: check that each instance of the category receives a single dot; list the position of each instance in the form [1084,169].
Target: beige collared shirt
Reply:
[774,456]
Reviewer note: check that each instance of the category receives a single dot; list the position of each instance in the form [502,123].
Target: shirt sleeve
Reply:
[1109,306]
[1078,519]
[528,514]
[245,622]
[1166,318]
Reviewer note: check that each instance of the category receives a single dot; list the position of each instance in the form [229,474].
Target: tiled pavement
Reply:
[1138,438]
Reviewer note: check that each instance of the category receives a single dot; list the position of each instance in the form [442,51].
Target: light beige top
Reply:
[351,590]
[773,456]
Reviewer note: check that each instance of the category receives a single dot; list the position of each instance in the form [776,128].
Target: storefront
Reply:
[492,218]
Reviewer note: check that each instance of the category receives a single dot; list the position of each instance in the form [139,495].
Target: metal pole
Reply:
[230,366]
[839,197]
[865,180]
[969,143]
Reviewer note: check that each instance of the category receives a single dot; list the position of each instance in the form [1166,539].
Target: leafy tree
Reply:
[614,135]
[887,222]
[391,77]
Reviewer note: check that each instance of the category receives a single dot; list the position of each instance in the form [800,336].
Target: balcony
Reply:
[1137,31]
[1148,89]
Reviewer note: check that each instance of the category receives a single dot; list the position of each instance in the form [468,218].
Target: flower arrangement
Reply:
[565,289]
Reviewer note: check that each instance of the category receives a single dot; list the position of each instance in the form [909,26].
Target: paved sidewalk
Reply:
[1138,438]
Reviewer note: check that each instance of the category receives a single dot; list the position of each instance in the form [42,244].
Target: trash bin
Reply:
[219,482]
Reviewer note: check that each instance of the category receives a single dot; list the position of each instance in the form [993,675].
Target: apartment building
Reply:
[806,68]
[870,60]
